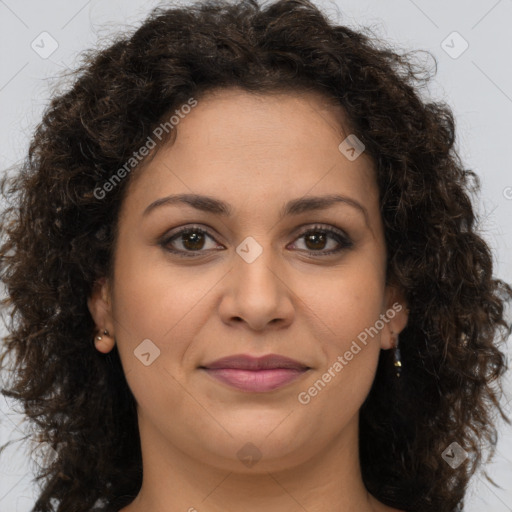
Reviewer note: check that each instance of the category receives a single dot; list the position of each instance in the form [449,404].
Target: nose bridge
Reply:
[255,264]
[258,294]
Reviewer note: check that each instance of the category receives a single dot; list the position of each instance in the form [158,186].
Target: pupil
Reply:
[316,237]
[196,240]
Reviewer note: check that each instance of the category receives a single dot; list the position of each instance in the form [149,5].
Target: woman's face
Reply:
[251,281]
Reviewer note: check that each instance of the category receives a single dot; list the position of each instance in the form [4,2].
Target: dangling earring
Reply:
[397,361]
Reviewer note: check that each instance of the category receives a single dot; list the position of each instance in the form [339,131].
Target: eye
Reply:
[317,238]
[192,240]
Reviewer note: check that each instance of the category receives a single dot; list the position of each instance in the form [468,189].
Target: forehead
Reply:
[257,144]
[235,118]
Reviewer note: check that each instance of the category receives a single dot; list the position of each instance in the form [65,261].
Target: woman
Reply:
[243,272]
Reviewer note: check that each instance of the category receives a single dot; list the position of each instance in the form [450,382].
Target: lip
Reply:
[255,374]
[248,362]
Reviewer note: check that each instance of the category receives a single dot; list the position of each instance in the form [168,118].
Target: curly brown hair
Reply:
[58,239]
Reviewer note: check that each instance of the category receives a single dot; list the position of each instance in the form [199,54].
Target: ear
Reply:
[395,316]
[100,307]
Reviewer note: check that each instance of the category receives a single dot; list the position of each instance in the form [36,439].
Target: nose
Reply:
[256,292]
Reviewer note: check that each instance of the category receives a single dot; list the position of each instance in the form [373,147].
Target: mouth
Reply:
[255,374]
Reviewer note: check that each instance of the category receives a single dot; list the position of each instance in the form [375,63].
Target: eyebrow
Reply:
[294,207]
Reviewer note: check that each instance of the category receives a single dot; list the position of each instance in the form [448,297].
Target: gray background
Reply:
[477,83]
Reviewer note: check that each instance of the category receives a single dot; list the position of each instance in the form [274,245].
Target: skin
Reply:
[255,152]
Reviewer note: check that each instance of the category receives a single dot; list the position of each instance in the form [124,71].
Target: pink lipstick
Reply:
[255,374]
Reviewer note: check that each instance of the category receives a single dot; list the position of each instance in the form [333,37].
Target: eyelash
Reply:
[341,238]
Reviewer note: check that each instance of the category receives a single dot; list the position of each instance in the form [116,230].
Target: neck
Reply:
[174,481]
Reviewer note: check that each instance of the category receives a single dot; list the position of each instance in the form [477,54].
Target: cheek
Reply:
[167,306]
[154,319]
[346,301]
[350,348]
[345,310]
[148,307]
[152,297]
